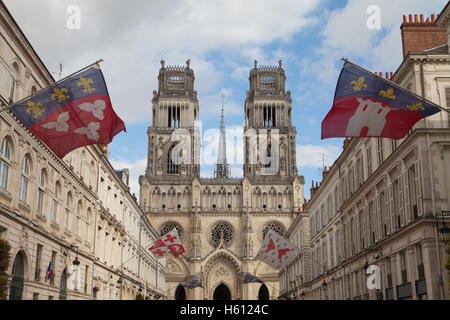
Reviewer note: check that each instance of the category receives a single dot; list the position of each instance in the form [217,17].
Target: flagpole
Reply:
[396,85]
[4,107]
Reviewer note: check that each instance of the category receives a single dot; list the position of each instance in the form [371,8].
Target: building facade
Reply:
[221,220]
[382,204]
[76,213]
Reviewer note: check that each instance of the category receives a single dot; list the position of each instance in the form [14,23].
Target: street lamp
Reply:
[76,262]
[366,265]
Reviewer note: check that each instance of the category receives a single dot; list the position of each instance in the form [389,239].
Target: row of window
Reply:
[14,78]
[354,286]
[388,212]
[25,176]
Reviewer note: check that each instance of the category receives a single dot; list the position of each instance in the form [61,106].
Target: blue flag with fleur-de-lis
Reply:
[73,113]
[366,105]
[248,278]
[193,283]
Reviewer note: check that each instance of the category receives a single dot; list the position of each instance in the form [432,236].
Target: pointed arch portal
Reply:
[263,293]
[222,293]
[180,293]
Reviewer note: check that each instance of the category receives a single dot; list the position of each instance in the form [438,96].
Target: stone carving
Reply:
[172,267]
[221,272]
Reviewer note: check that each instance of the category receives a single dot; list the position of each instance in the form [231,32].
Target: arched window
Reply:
[42,180]
[33,89]
[24,179]
[5,158]
[172,161]
[88,221]
[13,79]
[77,219]
[67,212]
[17,277]
[55,201]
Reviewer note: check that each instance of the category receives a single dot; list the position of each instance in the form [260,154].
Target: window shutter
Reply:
[386,211]
[379,217]
[418,188]
[400,200]
[391,207]
[406,192]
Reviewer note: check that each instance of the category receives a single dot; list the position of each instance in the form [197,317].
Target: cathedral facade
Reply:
[221,220]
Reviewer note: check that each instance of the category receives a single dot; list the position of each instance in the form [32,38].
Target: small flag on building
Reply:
[72,113]
[193,283]
[366,105]
[170,242]
[50,273]
[251,278]
[276,251]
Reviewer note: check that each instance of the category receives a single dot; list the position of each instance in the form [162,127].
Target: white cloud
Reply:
[310,156]
[133,38]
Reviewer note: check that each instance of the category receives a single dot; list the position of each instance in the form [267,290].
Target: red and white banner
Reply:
[170,242]
[276,251]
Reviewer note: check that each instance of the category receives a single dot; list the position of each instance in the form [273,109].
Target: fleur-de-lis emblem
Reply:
[415,107]
[359,85]
[86,83]
[387,94]
[35,109]
[59,94]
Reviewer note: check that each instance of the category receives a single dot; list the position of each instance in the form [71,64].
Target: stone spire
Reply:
[222,166]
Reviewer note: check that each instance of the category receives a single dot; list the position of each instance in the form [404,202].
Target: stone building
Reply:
[221,220]
[383,202]
[76,212]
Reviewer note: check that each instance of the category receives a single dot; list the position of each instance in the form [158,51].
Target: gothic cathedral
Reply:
[221,220]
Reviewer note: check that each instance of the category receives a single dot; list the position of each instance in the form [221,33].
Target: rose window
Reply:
[275,227]
[222,230]
[169,227]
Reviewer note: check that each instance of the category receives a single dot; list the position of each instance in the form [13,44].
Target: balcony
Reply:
[421,287]
[404,291]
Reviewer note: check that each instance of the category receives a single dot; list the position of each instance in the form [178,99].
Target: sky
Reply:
[222,39]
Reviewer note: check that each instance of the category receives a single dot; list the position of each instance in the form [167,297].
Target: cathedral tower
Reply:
[269,134]
[173,147]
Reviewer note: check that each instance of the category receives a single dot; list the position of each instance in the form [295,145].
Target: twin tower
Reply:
[174,140]
[222,220]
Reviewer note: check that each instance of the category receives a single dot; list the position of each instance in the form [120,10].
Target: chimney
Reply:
[420,35]
[312,189]
[346,142]
[324,173]
[105,150]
